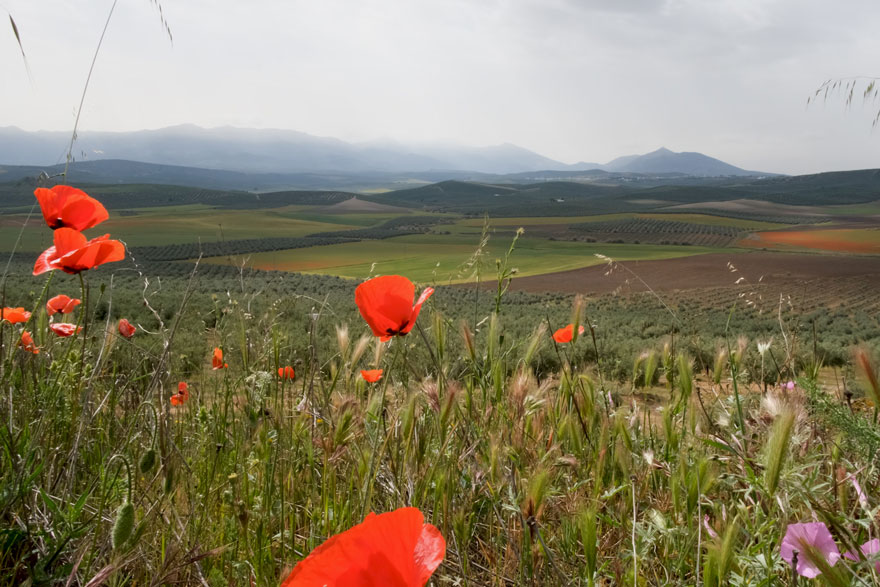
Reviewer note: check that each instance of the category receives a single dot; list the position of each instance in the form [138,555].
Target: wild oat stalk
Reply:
[777,448]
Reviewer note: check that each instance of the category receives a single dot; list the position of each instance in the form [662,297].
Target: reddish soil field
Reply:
[837,240]
[706,271]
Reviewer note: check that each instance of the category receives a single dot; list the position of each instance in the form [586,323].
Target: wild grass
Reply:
[559,478]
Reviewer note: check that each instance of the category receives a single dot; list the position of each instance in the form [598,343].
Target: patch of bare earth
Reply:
[708,271]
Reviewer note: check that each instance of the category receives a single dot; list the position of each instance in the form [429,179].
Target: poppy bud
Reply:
[148,460]
[123,526]
[169,480]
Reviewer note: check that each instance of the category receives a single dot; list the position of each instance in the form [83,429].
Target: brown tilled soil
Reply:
[705,271]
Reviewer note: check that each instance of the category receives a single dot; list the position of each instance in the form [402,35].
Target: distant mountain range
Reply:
[253,151]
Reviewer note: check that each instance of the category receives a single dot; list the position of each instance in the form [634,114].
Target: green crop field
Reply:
[180,224]
[440,258]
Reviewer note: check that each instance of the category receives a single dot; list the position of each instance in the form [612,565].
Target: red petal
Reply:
[95,252]
[564,335]
[82,213]
[66,206]
[15,315]
[417,308]
[27,343]
[429,552]
[43,261]
[125,328]
[392,549]
[217,358]
[371,375]
[62,304]
[68,240]
[385,303]
[64,329]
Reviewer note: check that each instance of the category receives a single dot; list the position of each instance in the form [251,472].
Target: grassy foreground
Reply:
[567,480]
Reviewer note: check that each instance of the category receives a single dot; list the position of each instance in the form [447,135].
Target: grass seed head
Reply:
[360,346]
[342,339]
[777,448]
[869,372]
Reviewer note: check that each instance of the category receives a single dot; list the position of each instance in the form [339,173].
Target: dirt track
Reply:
[704,271]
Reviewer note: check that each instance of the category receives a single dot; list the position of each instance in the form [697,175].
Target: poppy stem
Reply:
[84,319]
[152,410]
[127,470]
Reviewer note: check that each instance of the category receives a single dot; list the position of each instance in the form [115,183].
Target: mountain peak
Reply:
[665,161]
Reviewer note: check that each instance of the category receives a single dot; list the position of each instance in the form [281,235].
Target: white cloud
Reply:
[574,80]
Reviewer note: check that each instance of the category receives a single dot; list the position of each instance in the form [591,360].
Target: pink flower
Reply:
[869,551]
[803,539]
[790,385]
[711,531]
[860,493]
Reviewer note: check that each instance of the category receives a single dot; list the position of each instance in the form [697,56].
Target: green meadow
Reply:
[444,259]
[183,224]
[675,442]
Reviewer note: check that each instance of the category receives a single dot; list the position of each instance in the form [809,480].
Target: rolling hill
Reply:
[282,153]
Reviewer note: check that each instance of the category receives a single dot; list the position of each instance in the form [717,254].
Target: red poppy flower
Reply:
[27,343]
[182,394]
[72,253]
[62,304]
[395,549]
[564,335]
[64,329]
[125,328]
[386,303]
[371,375]
[217,359]
[286,372]
[15,315]
[65,206]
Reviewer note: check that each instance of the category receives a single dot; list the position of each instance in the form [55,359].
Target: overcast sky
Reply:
[575,80]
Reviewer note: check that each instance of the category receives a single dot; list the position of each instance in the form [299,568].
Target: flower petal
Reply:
[64,329]
[125,328]
[391,549]
[371,375]
[801,538]
[417,307]
[65,206]
[386,303]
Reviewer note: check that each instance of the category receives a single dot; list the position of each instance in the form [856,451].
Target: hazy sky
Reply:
[585,80]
